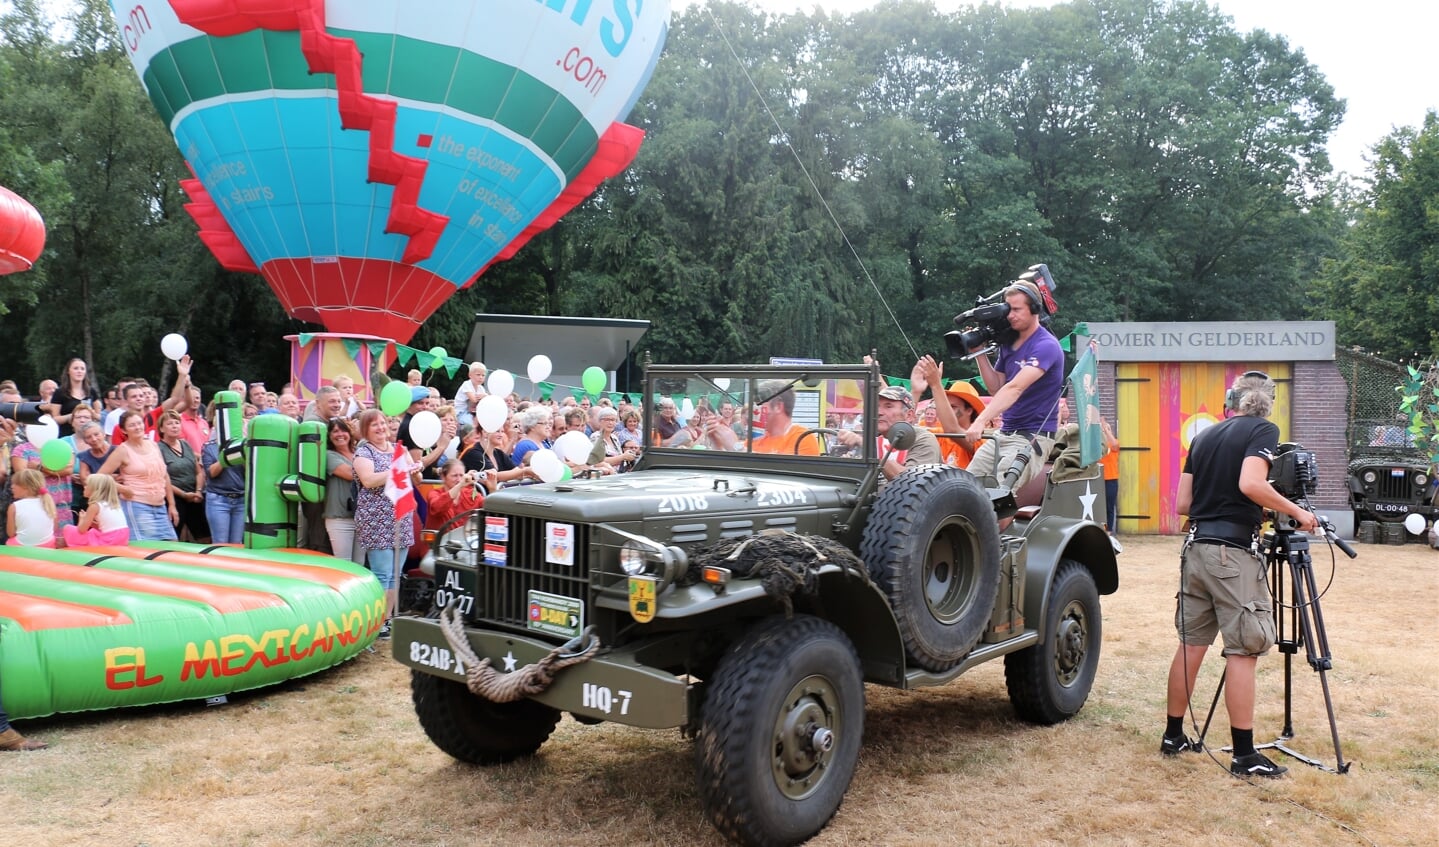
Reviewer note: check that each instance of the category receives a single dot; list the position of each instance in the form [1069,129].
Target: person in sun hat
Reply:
[958,408]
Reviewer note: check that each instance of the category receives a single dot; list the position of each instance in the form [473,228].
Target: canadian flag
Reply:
[882,445]
[398,487]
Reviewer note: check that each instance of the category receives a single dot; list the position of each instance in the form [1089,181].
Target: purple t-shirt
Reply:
[1037,409]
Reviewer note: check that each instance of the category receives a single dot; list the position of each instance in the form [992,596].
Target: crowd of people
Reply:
[161,458]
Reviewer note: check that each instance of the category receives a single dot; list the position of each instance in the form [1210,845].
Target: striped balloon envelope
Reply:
[369,158]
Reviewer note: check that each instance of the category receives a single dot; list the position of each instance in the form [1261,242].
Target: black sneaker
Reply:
[384,631]
[1174,746]
[1255,765]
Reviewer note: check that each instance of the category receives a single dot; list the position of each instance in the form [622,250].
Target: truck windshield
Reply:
[787,413]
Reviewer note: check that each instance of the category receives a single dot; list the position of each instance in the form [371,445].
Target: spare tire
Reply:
[932,545]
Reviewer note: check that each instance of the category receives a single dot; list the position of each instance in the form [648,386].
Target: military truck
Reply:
[1389,479]
[746,597]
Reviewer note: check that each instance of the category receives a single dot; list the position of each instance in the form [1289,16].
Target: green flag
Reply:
[1084,385]
[547,390]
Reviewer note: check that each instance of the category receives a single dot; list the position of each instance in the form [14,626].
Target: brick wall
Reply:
[1317,420]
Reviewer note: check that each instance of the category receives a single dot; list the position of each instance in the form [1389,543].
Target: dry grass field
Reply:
[339,758]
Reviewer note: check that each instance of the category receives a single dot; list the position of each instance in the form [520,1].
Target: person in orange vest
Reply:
[1110,463]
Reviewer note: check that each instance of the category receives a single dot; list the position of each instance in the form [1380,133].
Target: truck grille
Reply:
[1392,487]
[502,592]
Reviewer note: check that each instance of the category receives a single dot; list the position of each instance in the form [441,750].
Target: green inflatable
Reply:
[101,627]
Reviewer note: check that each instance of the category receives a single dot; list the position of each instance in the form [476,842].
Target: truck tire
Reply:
[1049,681]
[932,545]
[475,730]
[780,731]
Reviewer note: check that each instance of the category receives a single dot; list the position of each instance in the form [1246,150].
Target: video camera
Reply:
[23,412]
[1294,472]
[986,326]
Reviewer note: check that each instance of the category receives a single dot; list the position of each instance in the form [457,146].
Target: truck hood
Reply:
[670,494]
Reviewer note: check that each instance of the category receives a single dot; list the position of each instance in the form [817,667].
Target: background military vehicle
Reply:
[747,597]
[1389,480]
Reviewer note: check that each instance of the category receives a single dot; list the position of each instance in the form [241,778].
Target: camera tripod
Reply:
[1298,619]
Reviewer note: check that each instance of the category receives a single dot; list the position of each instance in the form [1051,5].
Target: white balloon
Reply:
[425,429]
[546,465]
[539,368]
[501,382]
[43,432]
[573,447]
[722,383]
[491,412]
[1414,522]
[174,346]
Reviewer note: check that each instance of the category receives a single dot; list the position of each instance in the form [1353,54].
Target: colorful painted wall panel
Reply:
[1162,407]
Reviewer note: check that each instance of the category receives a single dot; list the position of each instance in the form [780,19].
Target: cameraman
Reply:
[1026,383]
[1224,490]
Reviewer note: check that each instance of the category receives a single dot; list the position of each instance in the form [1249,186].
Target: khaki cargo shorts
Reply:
[1223,590]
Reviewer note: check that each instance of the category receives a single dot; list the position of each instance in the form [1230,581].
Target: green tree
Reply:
[1383,288]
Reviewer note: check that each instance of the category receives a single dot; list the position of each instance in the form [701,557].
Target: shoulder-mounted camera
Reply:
[986,326]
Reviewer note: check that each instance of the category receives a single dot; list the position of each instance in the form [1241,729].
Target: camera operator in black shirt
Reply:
[1223,590]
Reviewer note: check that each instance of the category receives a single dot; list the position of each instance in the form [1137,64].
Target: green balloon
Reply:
[440,355]
[57,456]
[395,398]
[567,474]
[593,379]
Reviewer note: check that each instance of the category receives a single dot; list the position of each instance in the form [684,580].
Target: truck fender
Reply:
[859,608]
[1050,540]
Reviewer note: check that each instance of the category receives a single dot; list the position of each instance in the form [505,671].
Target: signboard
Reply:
[1215,341]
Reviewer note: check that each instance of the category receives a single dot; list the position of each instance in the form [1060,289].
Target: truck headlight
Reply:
[1421,479]
[1369,477]
[634,558]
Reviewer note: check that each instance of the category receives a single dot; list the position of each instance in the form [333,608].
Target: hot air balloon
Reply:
[22,233]
[368,159]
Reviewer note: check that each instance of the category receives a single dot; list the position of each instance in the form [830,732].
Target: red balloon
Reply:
[22,233]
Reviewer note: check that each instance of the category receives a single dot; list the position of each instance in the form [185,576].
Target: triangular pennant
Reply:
[634,399]
[1067,343]
[404,354]
[547,390]
[306,338]
[377,348]
[424,360]
[352,347]
[452,366]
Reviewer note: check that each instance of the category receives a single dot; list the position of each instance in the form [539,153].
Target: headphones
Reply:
[1232,396]
[1028,289]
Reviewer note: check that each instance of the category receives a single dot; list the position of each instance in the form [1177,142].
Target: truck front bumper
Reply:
[613,686]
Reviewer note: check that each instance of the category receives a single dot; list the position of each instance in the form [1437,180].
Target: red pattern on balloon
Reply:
[338,56]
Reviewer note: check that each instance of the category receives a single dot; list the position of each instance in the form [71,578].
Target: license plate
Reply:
[556,615]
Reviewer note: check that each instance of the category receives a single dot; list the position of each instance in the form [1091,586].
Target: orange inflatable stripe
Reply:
[217,559]
[34,614]
[223,599]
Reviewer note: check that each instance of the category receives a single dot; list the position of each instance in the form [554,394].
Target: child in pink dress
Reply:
[103,523]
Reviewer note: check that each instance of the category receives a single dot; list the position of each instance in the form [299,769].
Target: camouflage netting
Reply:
[783,562]
[1375,422]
